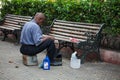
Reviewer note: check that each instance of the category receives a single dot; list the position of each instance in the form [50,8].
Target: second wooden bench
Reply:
[13,24]
[87,36]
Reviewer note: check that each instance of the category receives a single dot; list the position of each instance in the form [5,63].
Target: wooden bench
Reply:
[87,36]
[12,24]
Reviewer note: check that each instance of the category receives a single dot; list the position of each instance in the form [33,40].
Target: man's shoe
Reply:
[58,57]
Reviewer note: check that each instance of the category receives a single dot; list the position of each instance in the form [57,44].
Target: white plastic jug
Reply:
[75,62]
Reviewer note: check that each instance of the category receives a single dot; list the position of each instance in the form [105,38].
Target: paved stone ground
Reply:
[11,68]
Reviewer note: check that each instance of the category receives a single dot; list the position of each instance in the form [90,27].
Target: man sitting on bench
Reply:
[33,41]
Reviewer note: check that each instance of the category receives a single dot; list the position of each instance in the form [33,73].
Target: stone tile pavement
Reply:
[11,68]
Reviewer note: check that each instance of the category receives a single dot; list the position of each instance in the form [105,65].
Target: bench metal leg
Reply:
[5,32]
[72,47]
[5,36]
[99,56]
[17,34]
[83,56]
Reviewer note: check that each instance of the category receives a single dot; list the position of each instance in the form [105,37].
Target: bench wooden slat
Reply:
[63,38]
[13,27]
[68,31]
[76,25]
[11,22]
[14,22]
[80,23]
[11,15]
[17,18]
[75,29]
[8,28]
[8,24]
[69,34]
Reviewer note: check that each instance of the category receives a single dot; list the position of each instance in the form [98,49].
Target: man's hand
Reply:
[51,37]
[48,37]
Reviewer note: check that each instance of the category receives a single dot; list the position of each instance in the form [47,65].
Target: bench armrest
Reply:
[91,42]
[91,37]
[89,34]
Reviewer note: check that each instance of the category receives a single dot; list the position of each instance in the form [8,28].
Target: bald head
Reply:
[39,18]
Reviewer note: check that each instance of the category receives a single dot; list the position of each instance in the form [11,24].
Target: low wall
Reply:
[108,56]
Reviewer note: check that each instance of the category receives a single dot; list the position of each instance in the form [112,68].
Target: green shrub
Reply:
[92,11]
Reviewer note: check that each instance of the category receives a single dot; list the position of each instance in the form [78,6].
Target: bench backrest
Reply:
[16,21]
[65,30]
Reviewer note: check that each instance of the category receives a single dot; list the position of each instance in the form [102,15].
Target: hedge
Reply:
[92,11]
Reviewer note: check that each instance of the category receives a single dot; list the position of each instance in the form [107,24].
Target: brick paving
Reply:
[11,68]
